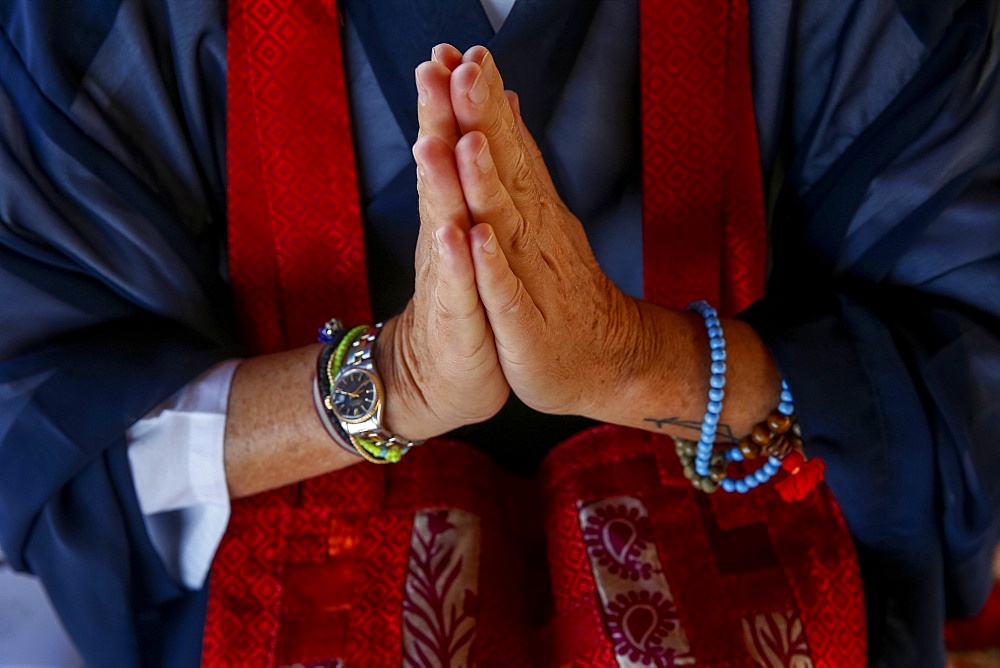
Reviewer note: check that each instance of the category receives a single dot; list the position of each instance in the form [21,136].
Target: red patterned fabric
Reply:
[315,573]
[295,223]
[701,168]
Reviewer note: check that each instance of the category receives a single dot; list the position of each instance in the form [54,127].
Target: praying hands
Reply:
[509,295]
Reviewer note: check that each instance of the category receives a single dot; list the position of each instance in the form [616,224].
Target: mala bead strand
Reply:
[774,438]
[716,391]
[686,452]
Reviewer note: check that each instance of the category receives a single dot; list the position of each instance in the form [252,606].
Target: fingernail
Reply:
[490,67]
[434,54]
[416,159]
[421,89]
[439,238]
[483,159]
[479,90]
[490,245]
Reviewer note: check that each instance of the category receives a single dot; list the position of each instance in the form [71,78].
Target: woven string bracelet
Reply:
[332,333]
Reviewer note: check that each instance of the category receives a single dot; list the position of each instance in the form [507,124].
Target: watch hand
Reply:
[350,394]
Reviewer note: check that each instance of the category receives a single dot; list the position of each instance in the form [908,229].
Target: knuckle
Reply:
[443,308]
[522,178]
[519,237]
[422,266]
[536,153]
[446,309]
[512,299]
[493,125]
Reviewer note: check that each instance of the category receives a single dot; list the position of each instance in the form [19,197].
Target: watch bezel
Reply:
[372,410]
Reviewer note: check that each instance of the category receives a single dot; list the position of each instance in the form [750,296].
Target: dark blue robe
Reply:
[883,308]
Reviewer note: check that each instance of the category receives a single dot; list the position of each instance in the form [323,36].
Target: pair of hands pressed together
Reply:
[508,293]
[508,297]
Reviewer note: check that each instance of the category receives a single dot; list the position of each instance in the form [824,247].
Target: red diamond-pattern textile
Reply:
[295,236]
[243,609]
[828,593]
[340,542]
[704,234]
[375,635]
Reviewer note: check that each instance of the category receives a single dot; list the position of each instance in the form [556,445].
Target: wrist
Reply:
[642,362]
[407,410]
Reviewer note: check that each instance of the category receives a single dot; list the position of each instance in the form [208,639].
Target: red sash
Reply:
[608,557]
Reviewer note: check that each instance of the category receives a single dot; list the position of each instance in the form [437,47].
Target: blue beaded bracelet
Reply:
[776,436]
[716,384]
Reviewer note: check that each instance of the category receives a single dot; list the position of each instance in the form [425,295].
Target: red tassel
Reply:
[803,476]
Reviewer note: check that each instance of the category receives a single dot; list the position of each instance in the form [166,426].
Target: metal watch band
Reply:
[359,355]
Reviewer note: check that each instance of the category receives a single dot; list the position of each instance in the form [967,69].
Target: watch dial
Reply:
[354,395]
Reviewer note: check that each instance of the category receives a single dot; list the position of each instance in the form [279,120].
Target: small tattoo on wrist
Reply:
[724,431]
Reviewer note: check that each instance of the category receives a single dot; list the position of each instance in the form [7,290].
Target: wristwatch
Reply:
[357,400]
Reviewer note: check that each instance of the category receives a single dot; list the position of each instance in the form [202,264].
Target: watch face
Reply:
[355,395]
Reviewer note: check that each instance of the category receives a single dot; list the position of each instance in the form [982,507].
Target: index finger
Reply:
[480,104]
[434,113]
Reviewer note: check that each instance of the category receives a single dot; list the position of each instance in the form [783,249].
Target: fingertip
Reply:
[475,54]
[481,56]
[441,235]
[483,237]
[431,75]
[490,245]
[462,79]
[453,248]
[447,238]
[514,100]
[419,150]
[428,146]
[472,147]
[419,75]
[443,242]
[446,55]
[483,159]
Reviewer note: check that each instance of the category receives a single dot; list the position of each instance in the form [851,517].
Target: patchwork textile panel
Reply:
[608,558]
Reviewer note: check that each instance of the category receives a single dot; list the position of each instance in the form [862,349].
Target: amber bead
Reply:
[761,435]
[689,472]
[779,423]
[749,449]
